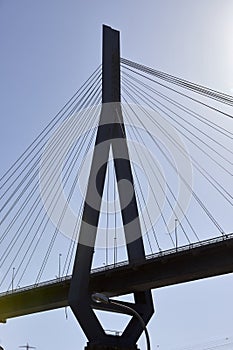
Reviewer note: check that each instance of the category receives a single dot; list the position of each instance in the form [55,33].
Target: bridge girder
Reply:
[185,265]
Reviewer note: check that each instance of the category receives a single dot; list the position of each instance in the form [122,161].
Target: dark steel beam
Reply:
[185,265]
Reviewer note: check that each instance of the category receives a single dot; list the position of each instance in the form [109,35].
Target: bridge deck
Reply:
[188,263]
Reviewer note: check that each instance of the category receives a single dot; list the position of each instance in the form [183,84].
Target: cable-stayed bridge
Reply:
[179,138]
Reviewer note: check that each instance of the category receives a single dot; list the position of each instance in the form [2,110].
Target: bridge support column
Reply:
[110,133]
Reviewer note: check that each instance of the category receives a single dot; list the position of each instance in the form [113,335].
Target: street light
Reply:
[102,298]
[59,265]
[13,277]
[176,233]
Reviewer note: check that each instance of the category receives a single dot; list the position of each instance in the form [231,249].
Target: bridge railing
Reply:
[167,252]
[191,246]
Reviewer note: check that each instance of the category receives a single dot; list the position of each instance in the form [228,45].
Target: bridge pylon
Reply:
[110,133]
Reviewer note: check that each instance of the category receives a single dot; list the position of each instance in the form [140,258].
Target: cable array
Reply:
[179,136]
[28,236]
[159,115]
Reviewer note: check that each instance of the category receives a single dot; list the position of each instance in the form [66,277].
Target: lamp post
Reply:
[13,277]
[102,298]
[59,265]
[176,234]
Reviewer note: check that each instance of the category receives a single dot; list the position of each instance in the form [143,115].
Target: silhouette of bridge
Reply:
[186,231]
[206,259]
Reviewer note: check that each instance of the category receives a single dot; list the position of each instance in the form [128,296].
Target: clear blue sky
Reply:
[47,49]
